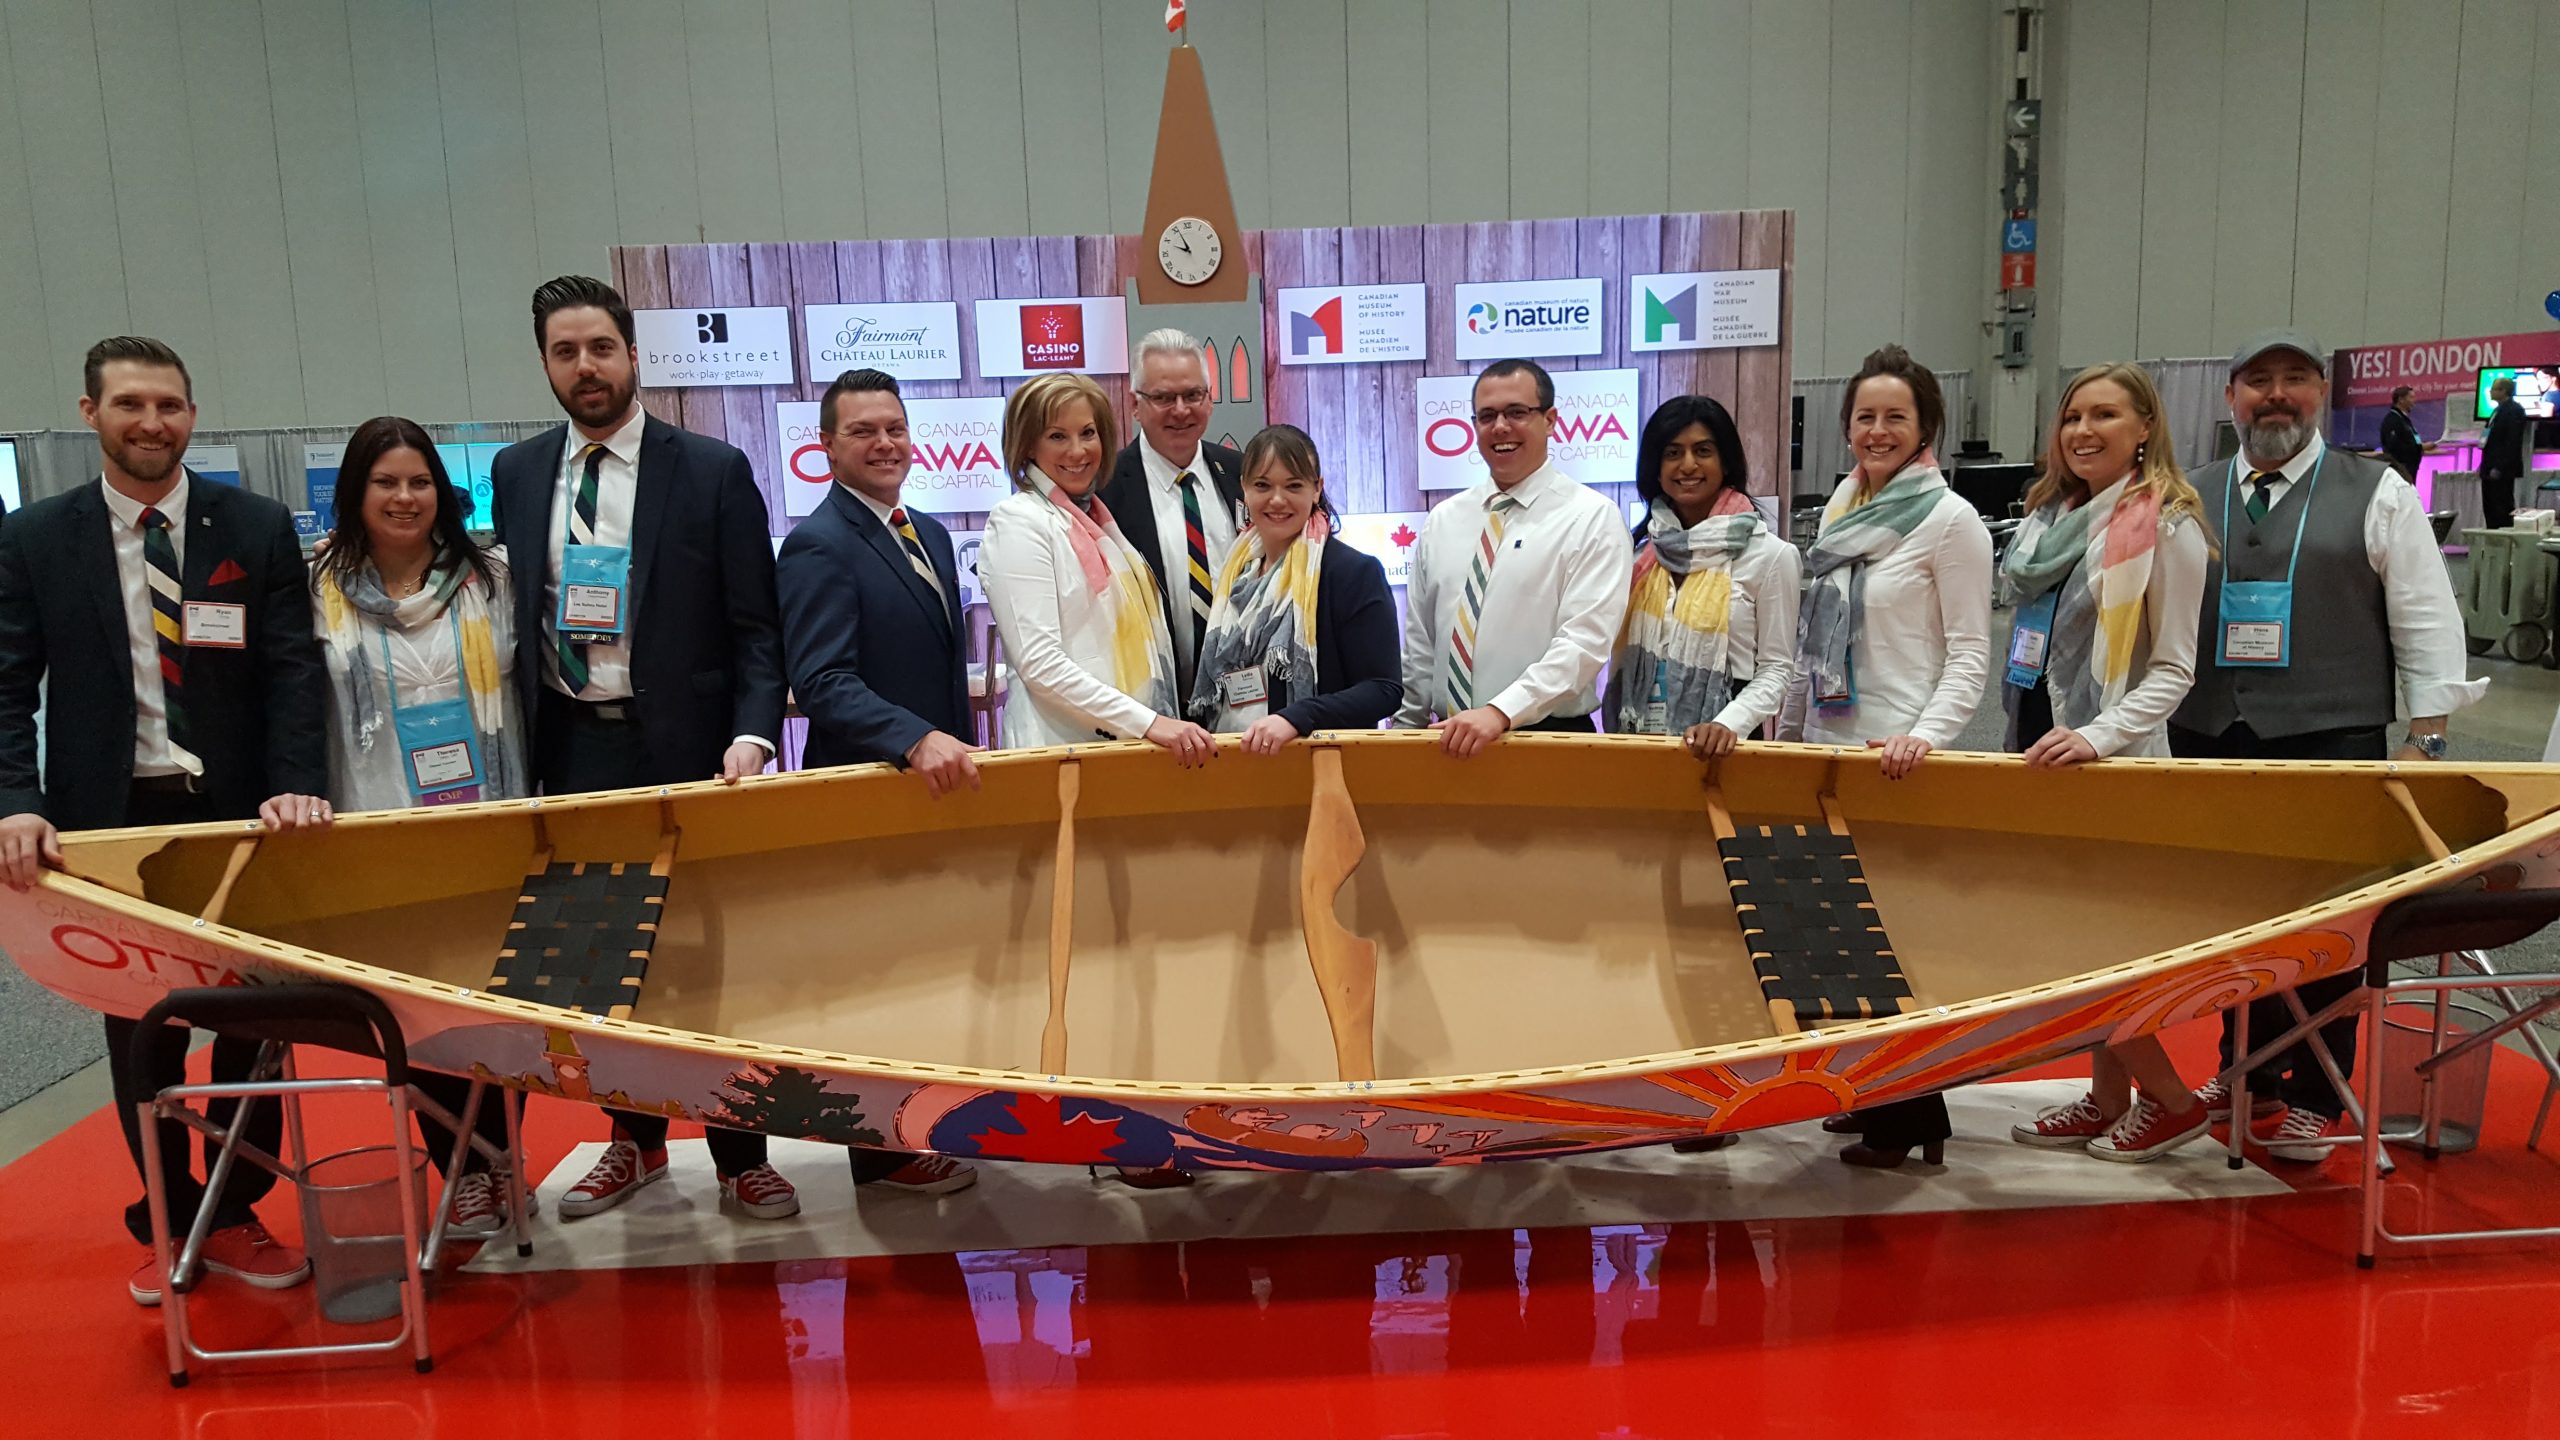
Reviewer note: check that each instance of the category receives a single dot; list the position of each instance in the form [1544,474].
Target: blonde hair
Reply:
[2156,468]
[1035,405]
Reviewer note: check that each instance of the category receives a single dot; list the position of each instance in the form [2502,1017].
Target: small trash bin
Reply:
[351,1227]
[2462,1088]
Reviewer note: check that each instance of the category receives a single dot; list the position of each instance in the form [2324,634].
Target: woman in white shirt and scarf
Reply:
[1894,647]
[1302,630]
[2108,572]
[1708,645]
[1083,624]
[416,623]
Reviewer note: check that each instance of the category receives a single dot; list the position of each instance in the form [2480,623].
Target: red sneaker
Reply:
[617,1177]
[760,1194]
[2064,1127]
[145,1285]
[479,1205]
[2148,1131]
[2216,1099]
[247,1253]
[929,1175]
[2297,1138]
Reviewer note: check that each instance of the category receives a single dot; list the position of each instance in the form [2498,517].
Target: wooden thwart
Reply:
[1062,921]
[241,852]
[2398,790]
[582,930]
[1346,965]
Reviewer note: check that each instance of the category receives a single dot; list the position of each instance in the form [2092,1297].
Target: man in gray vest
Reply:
[2326,608]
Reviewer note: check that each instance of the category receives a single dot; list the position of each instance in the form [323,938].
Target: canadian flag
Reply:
[1173,14]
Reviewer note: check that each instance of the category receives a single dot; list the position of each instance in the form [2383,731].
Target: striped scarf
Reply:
[351,621]
[1681,633]
[2051,544]
[1263,617]
[1852,537]
[1141,646]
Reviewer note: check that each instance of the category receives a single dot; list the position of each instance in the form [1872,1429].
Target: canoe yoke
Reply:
[1810,923]
[583,929]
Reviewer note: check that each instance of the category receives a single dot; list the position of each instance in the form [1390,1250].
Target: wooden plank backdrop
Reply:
[1361,416]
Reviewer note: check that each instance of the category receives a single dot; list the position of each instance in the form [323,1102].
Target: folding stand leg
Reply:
[155,1187]
[2371,1161]
[2238,1087]
[519,1188]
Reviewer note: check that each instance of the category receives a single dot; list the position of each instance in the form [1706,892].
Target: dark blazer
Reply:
[256,716]
[875,656]
[706,638]
[1359,665]
[1125,496]
[2400,444]
[2508,447]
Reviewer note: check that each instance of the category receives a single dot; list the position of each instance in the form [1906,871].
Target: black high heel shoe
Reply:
[1872,1157]
[1847,1122]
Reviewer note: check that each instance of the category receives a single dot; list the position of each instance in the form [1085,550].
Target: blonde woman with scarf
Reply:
[417,628]
[2108,572]
[1082,622]
[1302,631]
[1894,644]
[1708,645]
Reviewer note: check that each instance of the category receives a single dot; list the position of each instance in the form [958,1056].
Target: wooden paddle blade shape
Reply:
[1346,965]
[1062,921]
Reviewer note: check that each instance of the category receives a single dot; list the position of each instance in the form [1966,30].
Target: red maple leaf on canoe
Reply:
[1046,1134]
[1403,536]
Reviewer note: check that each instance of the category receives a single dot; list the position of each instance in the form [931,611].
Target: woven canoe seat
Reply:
[1810,923]
[581,936]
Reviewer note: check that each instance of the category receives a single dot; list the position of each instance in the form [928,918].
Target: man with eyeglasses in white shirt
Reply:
[1175,494]
[1518,584]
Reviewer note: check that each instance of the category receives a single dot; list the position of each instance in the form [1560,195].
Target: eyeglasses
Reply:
[1167,399]
[1516,414]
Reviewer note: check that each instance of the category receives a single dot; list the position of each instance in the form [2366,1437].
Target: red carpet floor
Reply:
[2208,1318]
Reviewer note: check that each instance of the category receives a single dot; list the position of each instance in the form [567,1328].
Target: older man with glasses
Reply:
[1175,495]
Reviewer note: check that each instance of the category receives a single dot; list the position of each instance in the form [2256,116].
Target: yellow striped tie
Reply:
[1462,641]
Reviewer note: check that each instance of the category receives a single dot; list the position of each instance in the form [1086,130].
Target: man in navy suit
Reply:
[871,629]
[153,602]
[648,650]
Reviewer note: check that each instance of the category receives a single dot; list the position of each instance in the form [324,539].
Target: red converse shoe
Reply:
[2148,1131]
[145,1285]
[2293,1140]
[2215,1097]
[479,1205]
[246,1252]
[2064,1127]
[617,1177]
[760,1194]
[929,1175]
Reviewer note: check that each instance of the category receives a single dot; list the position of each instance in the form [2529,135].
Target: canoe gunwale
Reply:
[313,964]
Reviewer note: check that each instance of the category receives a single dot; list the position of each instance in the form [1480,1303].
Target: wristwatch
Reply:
[2431,746]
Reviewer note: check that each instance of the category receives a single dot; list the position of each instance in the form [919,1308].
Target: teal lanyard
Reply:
[461,670]
[2301,522]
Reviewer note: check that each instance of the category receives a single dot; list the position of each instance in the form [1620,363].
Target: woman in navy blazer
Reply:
[1302,633]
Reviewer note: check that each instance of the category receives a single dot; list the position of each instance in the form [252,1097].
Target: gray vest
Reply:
[2341,676]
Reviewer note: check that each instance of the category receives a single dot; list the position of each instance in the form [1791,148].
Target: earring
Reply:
[2139,451]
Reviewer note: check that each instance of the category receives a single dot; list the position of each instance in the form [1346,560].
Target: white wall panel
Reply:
[1062,110]
[1468,79]
[978,54]
[2492,118]
[328,237]
[2334,212]
[649,102]
[1133,46]
[1230,41]
[53,72]
[408,198]
[737,156]
[151,160]
[817,126]
[2412,173]
[2538,274]
[2092,179]
[240,203]
[1550,75]
[1390,122]
[32,389]
[1867,198]
[2181,132]
[1307,96]
[569,139]
[1629,158]
[2260,171]
[496,259]
[1790,157]
[1711,105]
[1948,243]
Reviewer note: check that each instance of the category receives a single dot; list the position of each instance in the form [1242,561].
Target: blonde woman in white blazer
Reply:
[1083,626]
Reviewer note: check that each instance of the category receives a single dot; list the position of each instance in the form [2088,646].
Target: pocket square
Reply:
[227,573]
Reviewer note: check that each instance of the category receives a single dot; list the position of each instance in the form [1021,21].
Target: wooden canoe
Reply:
[1359,953]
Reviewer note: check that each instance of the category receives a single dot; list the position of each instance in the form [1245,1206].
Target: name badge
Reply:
[1657,709]
[2257,624]
[220,627]
[435,767]
[2031,638]
[593,582]
[1239,688]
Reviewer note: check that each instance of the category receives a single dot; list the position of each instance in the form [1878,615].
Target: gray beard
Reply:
[2274,441]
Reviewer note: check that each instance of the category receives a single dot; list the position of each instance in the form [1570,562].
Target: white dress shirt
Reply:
[1922,659]
[1760,630]
[1057,633]
[153,754]
[1173,545]
[617,491]
[2427,638]
[1551,610]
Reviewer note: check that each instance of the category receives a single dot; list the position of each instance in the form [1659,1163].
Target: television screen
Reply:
[10,498]
[2536,390]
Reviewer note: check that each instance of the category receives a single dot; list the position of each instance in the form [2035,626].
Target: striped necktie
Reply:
[2262,484]
[582,531]
[913,544]
[162,558]
[1197,539]
[1462,641]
